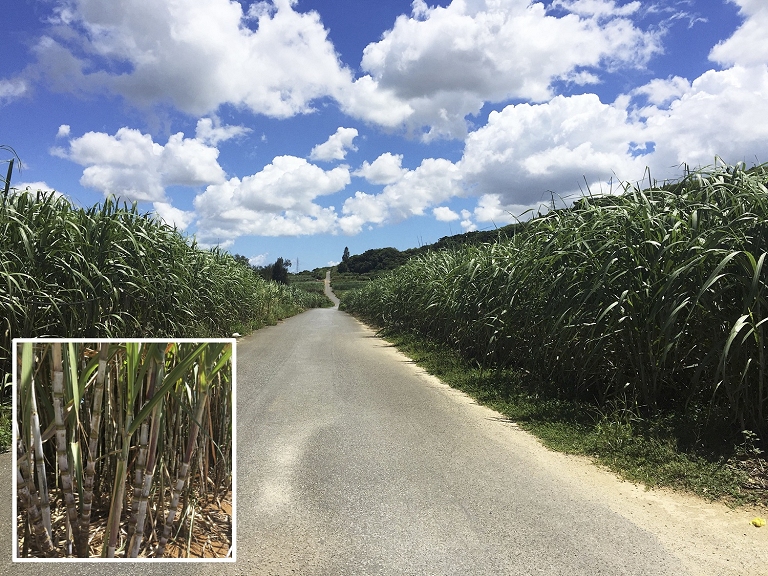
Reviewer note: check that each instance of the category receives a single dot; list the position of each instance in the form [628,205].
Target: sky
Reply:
[295,128]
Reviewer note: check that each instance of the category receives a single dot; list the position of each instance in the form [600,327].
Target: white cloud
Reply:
[195,55]
[258,260]
[490,209]
[720,114]
[444,214]
[426,74]
[444,62]
[526,150]
[11,90]
[335,148]
[33,186]
[277,201]
[172,216]
[210,131]
[386,169]
[434,181]
[131,165]
[662,92]
[526,154]
[366,99]
[747,46]
[63,131]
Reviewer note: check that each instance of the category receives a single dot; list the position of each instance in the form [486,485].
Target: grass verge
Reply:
[5,426]
[665,450]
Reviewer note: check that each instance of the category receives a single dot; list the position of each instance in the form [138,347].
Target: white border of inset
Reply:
[232,557]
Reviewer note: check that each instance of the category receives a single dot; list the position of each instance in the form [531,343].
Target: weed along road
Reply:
[352,461]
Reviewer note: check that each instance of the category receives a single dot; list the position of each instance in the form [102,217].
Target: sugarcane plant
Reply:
[102,427]
[109,271]
[657,297]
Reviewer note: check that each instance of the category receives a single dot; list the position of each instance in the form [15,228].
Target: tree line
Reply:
[277,271]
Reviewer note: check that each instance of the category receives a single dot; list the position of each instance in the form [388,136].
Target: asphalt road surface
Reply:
[350,460]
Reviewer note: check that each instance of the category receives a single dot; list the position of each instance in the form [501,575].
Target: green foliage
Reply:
[381,259]
[109,271]
[341,283]
[277,272]
[373,260]
[5,426]
[655,297]
[315,289]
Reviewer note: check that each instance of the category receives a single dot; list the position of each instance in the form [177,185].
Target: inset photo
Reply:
[124,449]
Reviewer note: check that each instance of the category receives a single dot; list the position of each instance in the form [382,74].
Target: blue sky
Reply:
[295,128]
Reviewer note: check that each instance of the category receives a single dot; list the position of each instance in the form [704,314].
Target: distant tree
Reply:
[242,260]
[280,270]
[345,257]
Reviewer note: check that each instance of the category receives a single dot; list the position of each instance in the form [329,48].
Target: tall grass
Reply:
[110,271]
[654,297]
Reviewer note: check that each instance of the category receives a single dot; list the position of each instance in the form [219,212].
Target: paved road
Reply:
[350,461]
[328,292]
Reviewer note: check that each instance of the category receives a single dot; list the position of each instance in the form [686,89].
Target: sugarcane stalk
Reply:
[182,475]
[93,443]
[45,505]
[134,525]
[29,499]
[116,508]
[61,440]
[31,422]
[146,484]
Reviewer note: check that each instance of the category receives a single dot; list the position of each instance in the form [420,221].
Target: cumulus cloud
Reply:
[661,92]
[466,221]
[746,46]
[427,73]
[335,148]
[63,131]
[131,165]
[528,153]
[526,150]
[443,63]
[717,115]
[434,181]
[490,208]
[258,260]
[444,214]
[34,186]
[279,200]
[194,55]
[173,216]
[386,169]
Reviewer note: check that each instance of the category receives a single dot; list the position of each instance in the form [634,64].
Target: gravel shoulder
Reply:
[707,537]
